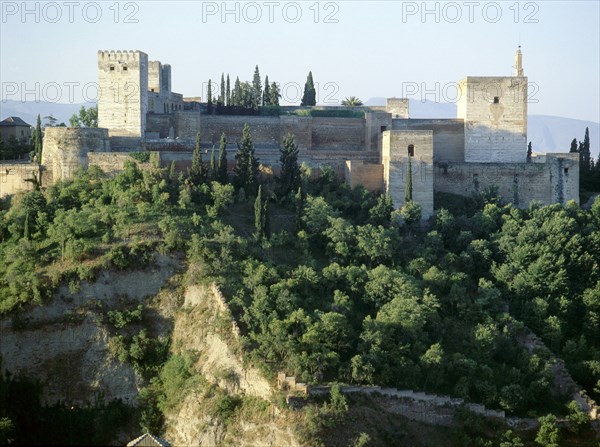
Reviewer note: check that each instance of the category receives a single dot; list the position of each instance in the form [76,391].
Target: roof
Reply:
[13,121]
[148,440]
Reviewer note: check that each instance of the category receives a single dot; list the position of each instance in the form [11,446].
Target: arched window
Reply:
[411,150]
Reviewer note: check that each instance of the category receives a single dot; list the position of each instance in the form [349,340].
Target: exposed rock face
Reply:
[64,346]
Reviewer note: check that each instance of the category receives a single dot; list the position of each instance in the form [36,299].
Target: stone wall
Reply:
[338,133]
[398,107]
[113,163]
[495,114]
[395,167]
[448,136]
[66,149]
[369,175]
[555,180]
[123,92]
[16,177]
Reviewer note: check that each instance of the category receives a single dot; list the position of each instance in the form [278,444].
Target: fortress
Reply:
[485,146]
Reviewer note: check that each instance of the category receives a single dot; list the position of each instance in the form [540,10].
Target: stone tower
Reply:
[495,113]
[123,98]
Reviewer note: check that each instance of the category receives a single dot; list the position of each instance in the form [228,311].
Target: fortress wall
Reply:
[66,149]
[113,163]
[265,130]
[517,183]
[338,133]
[160,123]
[14,177]
[370,175]
[376,123]
[300,126]
[448,136]
[187,124]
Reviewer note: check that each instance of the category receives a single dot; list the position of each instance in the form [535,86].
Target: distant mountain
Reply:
[28,111]
[546,133]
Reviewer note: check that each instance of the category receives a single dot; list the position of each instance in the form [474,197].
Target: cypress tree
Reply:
[259,220]
[213,165]
[228,92]
[237,93]
[310,94]
[266,219]
[37,140]
[529,151]
[256,89]
[222,174]
[246,165]
[573,146]
[266,100]
[198,170]
[222,95]
[209,97]
[26,227]
[172,176]
[408,188]
[290,170]
[274,94]
[585,151]
[299,204]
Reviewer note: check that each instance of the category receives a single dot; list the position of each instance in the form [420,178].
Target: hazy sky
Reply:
[361,48]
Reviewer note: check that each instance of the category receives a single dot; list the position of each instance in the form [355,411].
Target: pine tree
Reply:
[573,146]
[290,170]
[256,89]
[274,94]
[259,219]
[246,165]
[209,97]
[228,92]
[222,95]
[222,174]
[310,94]
[529,151]
[408,189]
[266,100]
[198,170]
[213,165]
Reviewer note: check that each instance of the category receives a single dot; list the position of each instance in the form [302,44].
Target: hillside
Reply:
[170,309]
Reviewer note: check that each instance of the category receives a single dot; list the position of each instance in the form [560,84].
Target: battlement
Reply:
[125,55]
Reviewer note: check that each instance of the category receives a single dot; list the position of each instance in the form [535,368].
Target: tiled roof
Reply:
[13,121]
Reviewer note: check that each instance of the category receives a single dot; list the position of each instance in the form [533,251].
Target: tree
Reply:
[198,170]
[574,146]
[290,170]
[352,101]
[310,94]
[274,94]
[266,99]
[261,216]
[529,151]
[209,98]
[222,169]
[51,120]
[37,140]
[228,92]
[237,93]
[213,165]
[222,95]
[408,188]
[584,152]
[256,89]
[246,165]
[299,208]
[85,118]
[548,434]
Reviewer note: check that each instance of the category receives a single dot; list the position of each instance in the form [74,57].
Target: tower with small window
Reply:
[123,92]
[494,109]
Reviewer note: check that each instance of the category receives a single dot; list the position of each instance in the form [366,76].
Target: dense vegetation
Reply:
[329,283]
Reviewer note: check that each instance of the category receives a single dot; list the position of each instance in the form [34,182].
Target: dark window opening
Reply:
[411,150]
[445,170]
[383,128]
[496,99]
[566,170]
[112,68]
[152,89]
[125,68]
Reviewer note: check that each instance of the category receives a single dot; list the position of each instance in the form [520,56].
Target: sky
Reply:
[48,50]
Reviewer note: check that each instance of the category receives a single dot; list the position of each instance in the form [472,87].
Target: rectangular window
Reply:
[124,68]
[496,99]
[112,68]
